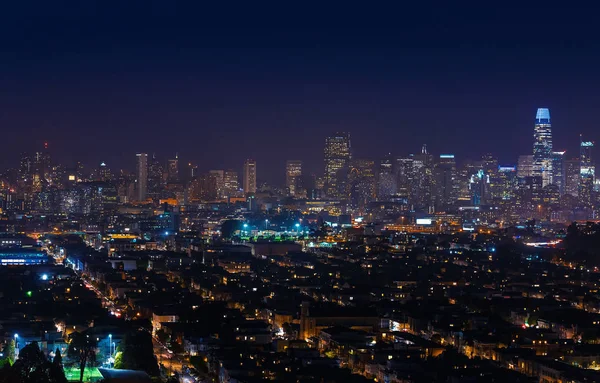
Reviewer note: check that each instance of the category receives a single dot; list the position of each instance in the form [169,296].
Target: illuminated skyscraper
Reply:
[405,176]
[104,173]
[293,172]
[587,172]
[155,178]
[219,179]
[558,171]
[250,176]
[386,185]
[423,170]
[525,166]
[542,146]
[446,187]
[361,182]
[142,176]
[337,157]
[572,177]
[173,169]
[231,185]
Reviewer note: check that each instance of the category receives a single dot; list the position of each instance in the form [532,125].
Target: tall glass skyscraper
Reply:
[587,171]
[337,158]
[558,170]
[542,146]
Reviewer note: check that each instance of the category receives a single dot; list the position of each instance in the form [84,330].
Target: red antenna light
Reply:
[45,145]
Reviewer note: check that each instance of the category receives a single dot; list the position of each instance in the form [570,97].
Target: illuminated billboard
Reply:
[424,221]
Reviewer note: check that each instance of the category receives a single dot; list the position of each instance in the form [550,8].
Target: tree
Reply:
[9,352]
[82,348]
[136,352]
[32,367]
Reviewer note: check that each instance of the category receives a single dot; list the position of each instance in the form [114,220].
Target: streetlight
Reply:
[110,345]
[266,223]
[16,345]
[297,229]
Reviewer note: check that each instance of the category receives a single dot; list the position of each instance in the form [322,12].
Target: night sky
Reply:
[102,80]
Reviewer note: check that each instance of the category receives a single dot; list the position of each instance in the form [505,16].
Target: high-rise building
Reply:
[337,158]
[572,176]
[445,182]
[423,170]
[250,176]
[587,172]
[104,173]
[506,186]
[173,169]
[142,176]
[231,185]
[386,184]
[558,171]
[405,176]
[361,182]
[155,178]
[542,146]
[293,173]
[525,166]
[219,180]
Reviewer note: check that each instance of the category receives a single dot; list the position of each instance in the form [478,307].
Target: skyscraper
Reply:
[173,169]
[250,176]
[587,171]
[572,176]
[446,186]
[386,185]
[525,166]
[337,157]
[142,176]
[230,184]
[219,179]
[155,178]
[558,171]
[423,170]
[293,172]
[542,146]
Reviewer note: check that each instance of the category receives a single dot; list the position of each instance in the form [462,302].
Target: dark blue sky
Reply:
[103,80]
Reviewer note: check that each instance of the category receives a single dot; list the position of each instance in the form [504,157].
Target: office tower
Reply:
[337,157]
[542,146]
[572,176]
[530,191]
[361,182]
[386,184]
[405,176]
[587,172]
[293,172]
[558,171]
[219,176]
[505,188]
[445,182]
[155,178]
[173,169]
[490,178]
[525,166]
[231,185]
[142,176]
[423,170]
[104,173]
[250,176]
[191,171]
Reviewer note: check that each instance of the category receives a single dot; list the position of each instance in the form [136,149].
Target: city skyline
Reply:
[277,175]
[154,83]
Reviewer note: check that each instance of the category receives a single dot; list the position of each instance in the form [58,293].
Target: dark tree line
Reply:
[32,366]
[582,244]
